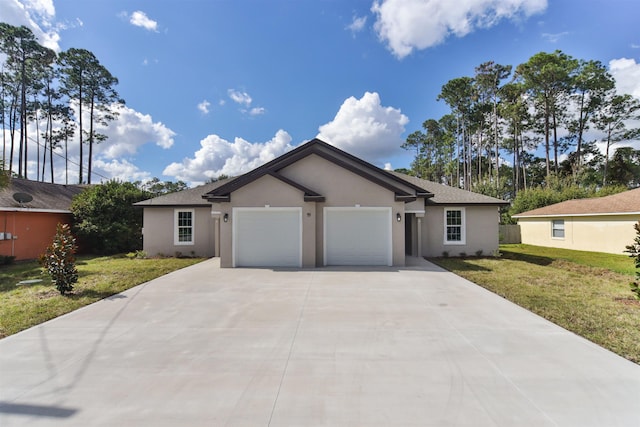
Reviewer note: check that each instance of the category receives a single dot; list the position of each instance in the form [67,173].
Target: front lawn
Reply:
[593,301]
[618,263]
[28,304]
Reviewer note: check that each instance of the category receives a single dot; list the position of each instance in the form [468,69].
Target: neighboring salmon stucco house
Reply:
[601,224]
[29,214]
[318,205]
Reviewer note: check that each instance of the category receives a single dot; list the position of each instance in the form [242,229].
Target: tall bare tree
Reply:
[459,94]
[489,77]
[591,83]
[25,61]
[616,112]
[89,84]
[547,78]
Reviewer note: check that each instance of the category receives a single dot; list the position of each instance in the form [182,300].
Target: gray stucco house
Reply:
[318,205]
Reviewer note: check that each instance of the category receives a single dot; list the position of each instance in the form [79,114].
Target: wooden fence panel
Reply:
[510,233]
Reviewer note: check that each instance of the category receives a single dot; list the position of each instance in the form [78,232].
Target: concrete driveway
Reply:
[206,346]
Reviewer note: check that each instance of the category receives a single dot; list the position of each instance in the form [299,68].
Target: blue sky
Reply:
[223,86]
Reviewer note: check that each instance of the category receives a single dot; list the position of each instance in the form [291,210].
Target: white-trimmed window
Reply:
[454,226]
[183,227]
[557,229]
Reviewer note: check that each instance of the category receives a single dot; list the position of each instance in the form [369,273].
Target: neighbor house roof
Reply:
[446,195]
[46,197]
[627,202]
[320,148]
[191,197]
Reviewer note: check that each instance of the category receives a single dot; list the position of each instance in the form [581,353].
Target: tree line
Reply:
[59,96]
[552,103]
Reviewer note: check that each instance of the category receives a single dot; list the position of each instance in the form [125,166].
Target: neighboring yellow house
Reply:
[601,224]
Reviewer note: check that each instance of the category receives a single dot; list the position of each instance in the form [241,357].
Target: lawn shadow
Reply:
[92,293]
[464,265]
[460,264]
[531,259]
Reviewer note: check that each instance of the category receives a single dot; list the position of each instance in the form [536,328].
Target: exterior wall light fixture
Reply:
[398,217]
[225,218]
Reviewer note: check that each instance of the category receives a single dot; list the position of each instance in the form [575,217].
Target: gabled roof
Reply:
[627,202]
[191,197]
[434,193]
[451,196]
[47,197]
[320,148]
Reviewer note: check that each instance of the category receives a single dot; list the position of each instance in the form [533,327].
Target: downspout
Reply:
[216,238]
[419,237]
[13,240]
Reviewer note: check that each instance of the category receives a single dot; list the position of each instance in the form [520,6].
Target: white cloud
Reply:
[626,72]
[554,38]
[37,15]
[122,170]
[405,25]
[130,131]
[257,111]
[146,61]
[365,128]
[204,106]
[244,99]
[357,24]
[140,19]
[238,97]
[217,156]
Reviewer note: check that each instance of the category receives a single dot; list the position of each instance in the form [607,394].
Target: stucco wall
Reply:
[343,188]
[585,233]
[158,232]
[481,227]
[31,232]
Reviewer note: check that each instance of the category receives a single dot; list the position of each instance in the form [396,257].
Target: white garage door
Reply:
[357,236]
[267,237]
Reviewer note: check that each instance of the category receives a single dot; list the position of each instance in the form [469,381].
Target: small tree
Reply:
[58,260]
[634,251]
[105,219]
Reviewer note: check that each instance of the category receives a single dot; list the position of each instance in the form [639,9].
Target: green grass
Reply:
[592,301]
[618,263]
[23,306]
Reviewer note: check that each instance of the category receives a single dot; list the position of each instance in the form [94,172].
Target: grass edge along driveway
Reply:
[25,305]
[584,292]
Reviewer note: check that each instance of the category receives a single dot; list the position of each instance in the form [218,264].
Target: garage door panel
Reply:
[358,236]
[267,238]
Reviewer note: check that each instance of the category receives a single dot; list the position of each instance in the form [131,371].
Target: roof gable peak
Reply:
[331,153]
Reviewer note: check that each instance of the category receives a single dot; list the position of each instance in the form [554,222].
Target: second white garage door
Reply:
[357,236]
[267,237]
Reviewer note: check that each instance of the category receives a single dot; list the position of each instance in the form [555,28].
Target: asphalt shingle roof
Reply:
[446,195]
[188,197]
[442,194]
[45,195]
[625,202]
